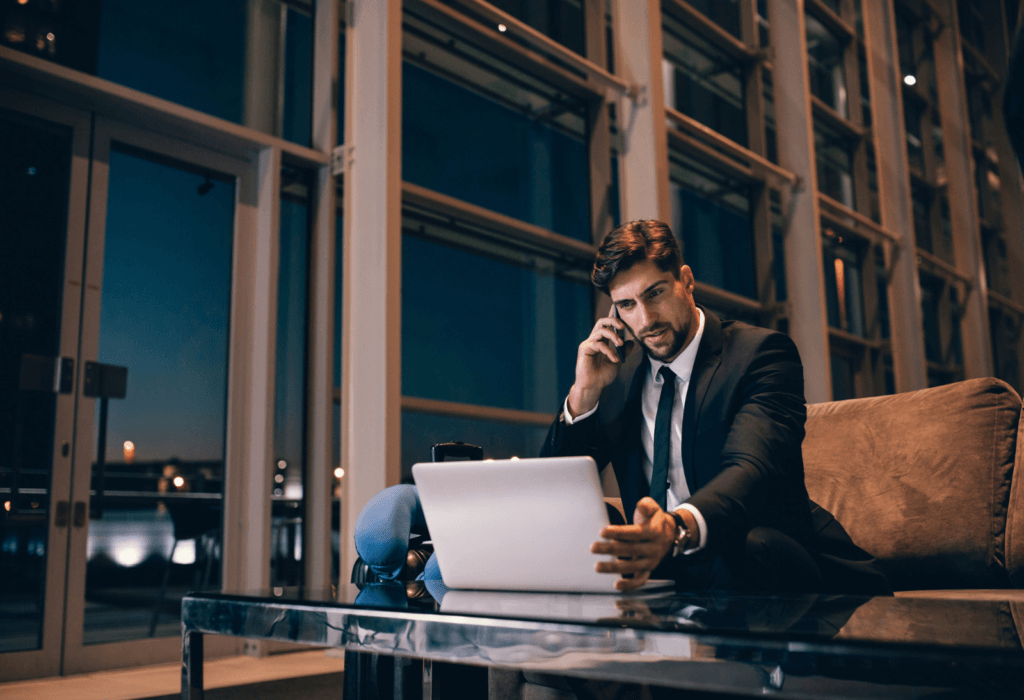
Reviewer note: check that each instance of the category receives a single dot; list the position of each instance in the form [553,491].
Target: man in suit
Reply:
[703,427]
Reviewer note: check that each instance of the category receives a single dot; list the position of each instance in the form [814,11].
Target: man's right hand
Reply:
[597,363]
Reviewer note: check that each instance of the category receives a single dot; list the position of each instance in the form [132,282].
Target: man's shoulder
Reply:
[743,340]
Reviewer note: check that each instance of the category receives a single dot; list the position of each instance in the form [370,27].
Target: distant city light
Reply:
[22,2]
[502,28]
[31,170]
[339,472]
[129,451]
[179,481]
[910,80]
[49,36]
[514,458]
[7,505]
[185,553]
[128,550]
[281,464]
[279,478]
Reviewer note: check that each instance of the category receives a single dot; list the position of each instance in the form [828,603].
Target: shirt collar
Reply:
[682,366]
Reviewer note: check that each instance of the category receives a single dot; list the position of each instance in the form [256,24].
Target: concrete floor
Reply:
[311,675]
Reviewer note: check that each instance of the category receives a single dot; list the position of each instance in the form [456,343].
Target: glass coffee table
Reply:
[807,646]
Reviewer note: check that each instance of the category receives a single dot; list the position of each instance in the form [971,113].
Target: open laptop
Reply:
[517,524]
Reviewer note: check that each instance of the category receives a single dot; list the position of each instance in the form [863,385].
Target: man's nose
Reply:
[646,316]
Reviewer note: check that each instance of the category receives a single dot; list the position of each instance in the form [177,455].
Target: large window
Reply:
[825,54]
[703,82]
[492,312]
[483,131]
[711,216]
[246,61]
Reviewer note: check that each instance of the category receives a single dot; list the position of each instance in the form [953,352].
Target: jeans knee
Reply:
[383,527]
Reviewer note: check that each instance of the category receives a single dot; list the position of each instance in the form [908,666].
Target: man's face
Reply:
[657,307]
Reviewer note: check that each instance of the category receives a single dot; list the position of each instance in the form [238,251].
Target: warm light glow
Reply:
[910,80]
[514,458]
[179,481]
[339,472]
[49,36]
[502,28]
[22,2]
[129,451]
[128,550]
[281,464]
[279,478]
[7,505]
[841,290]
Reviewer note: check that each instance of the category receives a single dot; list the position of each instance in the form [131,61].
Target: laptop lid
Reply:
[519,524]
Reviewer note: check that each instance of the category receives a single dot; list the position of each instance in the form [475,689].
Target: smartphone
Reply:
[621,349]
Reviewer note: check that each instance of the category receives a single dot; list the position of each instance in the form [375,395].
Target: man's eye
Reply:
[655,293]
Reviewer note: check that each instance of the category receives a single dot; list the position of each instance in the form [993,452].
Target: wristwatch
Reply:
[682,535]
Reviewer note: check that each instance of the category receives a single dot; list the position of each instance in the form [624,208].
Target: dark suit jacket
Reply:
[743,425]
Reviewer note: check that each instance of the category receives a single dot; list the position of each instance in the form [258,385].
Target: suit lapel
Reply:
[709,357]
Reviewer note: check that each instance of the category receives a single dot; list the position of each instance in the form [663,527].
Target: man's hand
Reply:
[597,363]
[640,547]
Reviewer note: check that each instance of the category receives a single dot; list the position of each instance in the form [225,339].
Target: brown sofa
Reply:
[924,480]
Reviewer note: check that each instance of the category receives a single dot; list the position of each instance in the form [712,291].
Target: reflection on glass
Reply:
[164,315]
[298,76]
[288,503]
[34,174]
[724,13]
[711,217]
[703,82]
[843,283]
[842,377]
[1005,330]
[561,20]
[489,330]
[825,58]
[835,164]
[187,51]
[516,150]
[498,440]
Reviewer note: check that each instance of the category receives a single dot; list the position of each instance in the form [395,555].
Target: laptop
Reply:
[517,524]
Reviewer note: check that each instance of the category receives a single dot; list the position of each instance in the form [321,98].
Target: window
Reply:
[941,311]
[561,20]
[499,138]
[724,13]
[703,82]
[825,56]
[288,495]
[834,154]
[711,217]
[843,283]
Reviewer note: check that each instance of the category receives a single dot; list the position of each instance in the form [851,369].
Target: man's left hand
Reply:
[639,547]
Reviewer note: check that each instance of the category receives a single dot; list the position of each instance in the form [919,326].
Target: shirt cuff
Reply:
[702,526]
[569,420]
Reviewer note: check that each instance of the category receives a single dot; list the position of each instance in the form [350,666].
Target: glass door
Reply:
[152,416]
[43,195]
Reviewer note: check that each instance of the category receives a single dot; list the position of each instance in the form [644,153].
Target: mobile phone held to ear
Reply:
[621,349]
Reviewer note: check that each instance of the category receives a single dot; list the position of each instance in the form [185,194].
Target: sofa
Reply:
[924,481]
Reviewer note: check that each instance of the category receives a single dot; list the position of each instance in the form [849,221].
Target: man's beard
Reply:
[678,339]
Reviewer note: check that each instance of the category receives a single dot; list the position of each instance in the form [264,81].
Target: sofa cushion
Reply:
[921,480]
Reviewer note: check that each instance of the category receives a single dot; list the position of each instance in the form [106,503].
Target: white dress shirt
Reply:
[682,366]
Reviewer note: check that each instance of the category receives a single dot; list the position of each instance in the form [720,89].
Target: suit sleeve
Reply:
[584,438]
[761,457]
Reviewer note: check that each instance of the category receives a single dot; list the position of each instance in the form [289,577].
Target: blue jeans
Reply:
[384,528]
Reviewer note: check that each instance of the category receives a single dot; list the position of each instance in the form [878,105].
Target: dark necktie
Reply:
[663,436]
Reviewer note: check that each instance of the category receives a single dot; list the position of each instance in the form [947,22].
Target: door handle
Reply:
[60,517]
[80,511]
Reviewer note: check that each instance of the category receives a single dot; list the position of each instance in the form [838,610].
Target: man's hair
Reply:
[635,242]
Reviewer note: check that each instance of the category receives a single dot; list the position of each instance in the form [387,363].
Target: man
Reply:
[703,428]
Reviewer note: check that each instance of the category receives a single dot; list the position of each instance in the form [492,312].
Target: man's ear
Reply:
[686,277]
